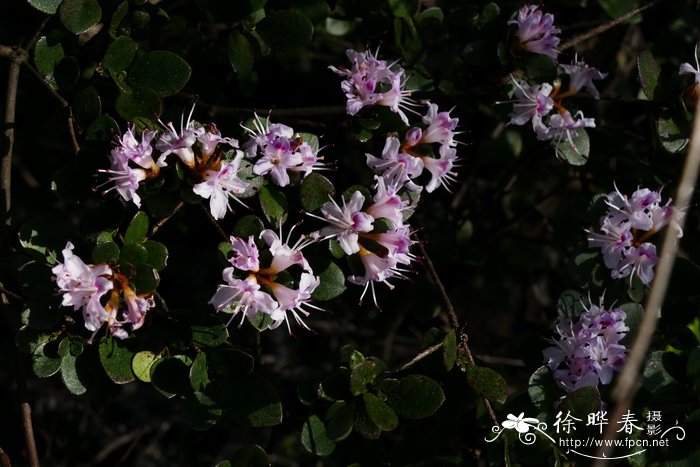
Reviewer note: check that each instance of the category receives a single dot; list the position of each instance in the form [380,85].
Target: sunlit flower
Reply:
[221,185]
[346,222]
[181,144]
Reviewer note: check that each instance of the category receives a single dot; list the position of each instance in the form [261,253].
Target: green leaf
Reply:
[79,15]
[634,313]
[134,254]
[228,361]
[487,383]
[160,71]
[250,397]
[157,255]
[70,375]
[102,129]
[141,102]
[657,378]
[45,235]
[541,388]
[576,151]
[362,375]
[364,425]
[332,282]
[541,68]
[117,18]
[569,304]
[285,30]
[116,359]
[170,376]
[46,56]
[66,72]
[137,230]
[199,377]
[314,437]
[119,55]
[581,402]
[71,346]
[200,412]
[274,204]
[648,73]
[315,191]
[671,137]
[208,332]
[339,419]
[404,8]
[247,226]
[335,385]
[45,359]
[415,396]
[250,456]
[449,350]
[380,413]
[142,363]
[86,107]
[146,279]
[49,7]
[240,53]
[261,321]
[617,8]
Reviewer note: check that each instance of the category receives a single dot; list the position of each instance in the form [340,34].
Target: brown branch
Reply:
[604,27]
[628,381]
[454,321]
[9,293]
[318,111]
[16,59]
[162,222]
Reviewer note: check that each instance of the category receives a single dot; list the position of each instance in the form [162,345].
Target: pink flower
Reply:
[83,286]
[138,152]
[441,127]
[219,186]
[284,255]
[245,254]
[372,82]
[441,169]
[687,68]
[346,222]
[294,301]
[244,295]
[377,269]
[536,31]
[396,166]
[125,178]
[387,203]
[211,138]
[532,104]
[180,144]
[582,76]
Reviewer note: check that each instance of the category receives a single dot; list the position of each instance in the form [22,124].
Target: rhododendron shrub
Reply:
[346,233]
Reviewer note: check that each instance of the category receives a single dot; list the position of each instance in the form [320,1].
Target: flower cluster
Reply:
[687,68]
[380,247]
[251,289]
[536,31]
[588,348]
[84,286]
[535,104]
[373,82]
[625,229]
[541,104]
[401,163]
[213,160]
[280,151]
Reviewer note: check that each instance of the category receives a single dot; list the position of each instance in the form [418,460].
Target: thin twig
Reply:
[162,222]
[627,383]
[604,27]
[284,112]
[418,358]
[214,223]
[454,321]
[9,130]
